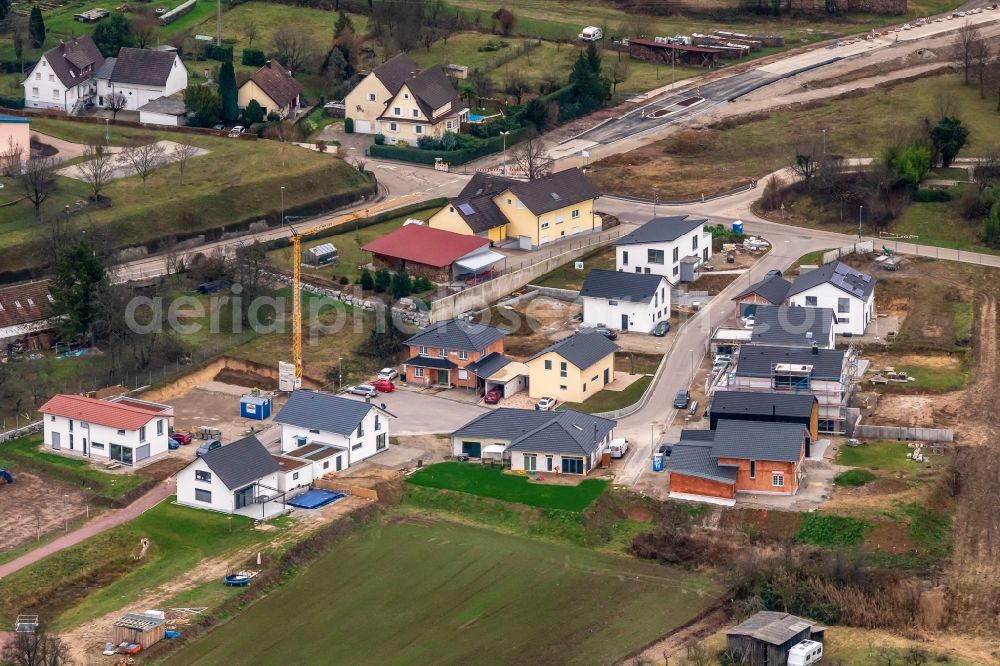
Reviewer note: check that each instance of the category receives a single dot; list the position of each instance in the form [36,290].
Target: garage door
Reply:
[472,449]
[363,126]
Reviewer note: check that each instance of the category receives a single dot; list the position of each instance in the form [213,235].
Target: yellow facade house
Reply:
[402,103]
[273,87]
[533,213]
[572,369]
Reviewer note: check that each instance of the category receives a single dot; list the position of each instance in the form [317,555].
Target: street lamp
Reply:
[340,373]
[107,131]
[504,135]
[824,143]
[692,365]
[861,210]
[655,196]
[282,205]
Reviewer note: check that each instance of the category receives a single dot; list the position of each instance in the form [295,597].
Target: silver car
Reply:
[546,404]
[367,390]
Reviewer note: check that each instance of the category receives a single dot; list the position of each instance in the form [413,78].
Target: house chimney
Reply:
[815,349]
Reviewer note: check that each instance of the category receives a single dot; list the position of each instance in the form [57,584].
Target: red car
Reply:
[383,385]
[181,437]
[493,396]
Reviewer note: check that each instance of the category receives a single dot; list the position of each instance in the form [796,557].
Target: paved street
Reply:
[424,413]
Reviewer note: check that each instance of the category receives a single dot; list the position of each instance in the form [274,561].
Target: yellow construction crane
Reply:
[296,239]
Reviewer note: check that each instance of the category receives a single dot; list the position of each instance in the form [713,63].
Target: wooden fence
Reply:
[337,485]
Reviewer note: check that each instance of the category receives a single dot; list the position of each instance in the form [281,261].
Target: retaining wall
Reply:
[903,433]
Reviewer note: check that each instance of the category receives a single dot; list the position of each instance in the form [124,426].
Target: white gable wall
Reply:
[73,437]
[641,316]
[137,95]
[636,258]
[852,319]
[362,443]
[44,90]
[187,483]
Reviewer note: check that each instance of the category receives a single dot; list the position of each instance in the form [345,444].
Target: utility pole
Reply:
[504,135]
[861,210]
[218,22]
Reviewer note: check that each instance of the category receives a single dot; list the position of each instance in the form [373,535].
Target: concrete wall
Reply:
[480,296]
[863,431]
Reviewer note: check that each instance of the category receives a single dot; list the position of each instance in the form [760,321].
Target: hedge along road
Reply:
[401,184]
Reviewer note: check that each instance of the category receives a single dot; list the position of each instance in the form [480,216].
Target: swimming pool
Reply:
[473,118]
[314,499]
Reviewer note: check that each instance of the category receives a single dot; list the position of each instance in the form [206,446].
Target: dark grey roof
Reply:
[774,289]
[753,403]
[661,230]
[432,90]
[563,188]
[143,67]
[104,71]
[173,106]
[74,61]
[457,334]
[792,326]
[850,281]
[475,202]
[435,362]
[323,411]
[394,72]
[241,462]
[488,365]
[773,627]
[695,459]
[758,440]
[636,287]
[759,360]
[691,435]
[563,432]
[583,349]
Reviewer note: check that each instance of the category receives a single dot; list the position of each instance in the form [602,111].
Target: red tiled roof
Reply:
[24,303]
[123,416]
[423,245]
[277,83]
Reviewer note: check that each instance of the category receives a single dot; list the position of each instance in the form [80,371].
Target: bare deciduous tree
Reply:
[39,181]
[532,159]
[619,74]
[517,86]
[987,170]
[114,103]
[981,56]
[35,649]
[805,162]
[144,26]
[250,31]
[143,158]
[293,47]
[11,158]
[181,153]
[965,45]
[97,168]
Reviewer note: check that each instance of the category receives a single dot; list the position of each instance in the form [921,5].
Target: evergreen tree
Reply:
[228,92]
[367,281]
[4,9]
[594,59]
[949,137]
[254,113]
[343,23]
[204,104]
[77,276]
[402,286]
[112,34]
[36,27]
[382,281]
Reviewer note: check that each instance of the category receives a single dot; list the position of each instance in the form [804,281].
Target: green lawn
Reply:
[941,380]
[447,593]
[99,575]
[886,456]
[568,277]
[645,364]
[235,181]
[493,482]
[607,401]
[73,471]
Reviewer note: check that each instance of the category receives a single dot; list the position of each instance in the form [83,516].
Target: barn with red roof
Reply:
[439,255]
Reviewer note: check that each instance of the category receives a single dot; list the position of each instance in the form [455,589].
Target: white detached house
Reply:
[673,247]
[848,292]
[626,301]
[62,77]
[352,429]
[140,76]
[125,430]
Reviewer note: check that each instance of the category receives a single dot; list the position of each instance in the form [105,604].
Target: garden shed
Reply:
[321,255]
[145,630]
[766,637]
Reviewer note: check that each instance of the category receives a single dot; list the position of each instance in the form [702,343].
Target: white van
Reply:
[805,653]
[591,34]
[618,448]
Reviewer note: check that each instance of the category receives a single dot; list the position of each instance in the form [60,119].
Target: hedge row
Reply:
[452,157]
[11,102]
[931,196]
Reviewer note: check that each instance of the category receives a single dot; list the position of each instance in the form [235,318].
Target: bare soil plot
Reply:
[34,506]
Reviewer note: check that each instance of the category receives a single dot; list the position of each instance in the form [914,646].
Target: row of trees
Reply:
[397,285]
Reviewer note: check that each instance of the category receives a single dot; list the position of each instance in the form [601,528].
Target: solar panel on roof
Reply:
[466,208]
[841,269]
[555,195]
[866,278]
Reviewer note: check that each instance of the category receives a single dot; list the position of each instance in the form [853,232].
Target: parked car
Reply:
[236,131]
[219,127]
[384,385]
[591,34]
[546,404]
[387,373]
[722,358]
[173,444]
[181,437]
[618,448]
[367,390]
[665,450]
[210,445]
[661,328]
[578,316]
[774,272]
[607,332]
[493,396]
[682,399]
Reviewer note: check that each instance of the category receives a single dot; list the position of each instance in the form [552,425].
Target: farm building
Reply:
[766,637]
[680,54]
[439,255]
[145,630]
[24,317]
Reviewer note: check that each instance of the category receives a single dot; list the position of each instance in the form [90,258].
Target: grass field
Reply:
[446,593]
[607,401]
[712,160]
[236,180]
[568,276]
[493,482]
[73,471]
[645,364]
[99,575]
[888,457]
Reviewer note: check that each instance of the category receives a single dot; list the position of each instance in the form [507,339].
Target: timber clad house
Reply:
[442,353]
[528,214]
[738,457]
[123,430]
[404,104]
[561,442]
